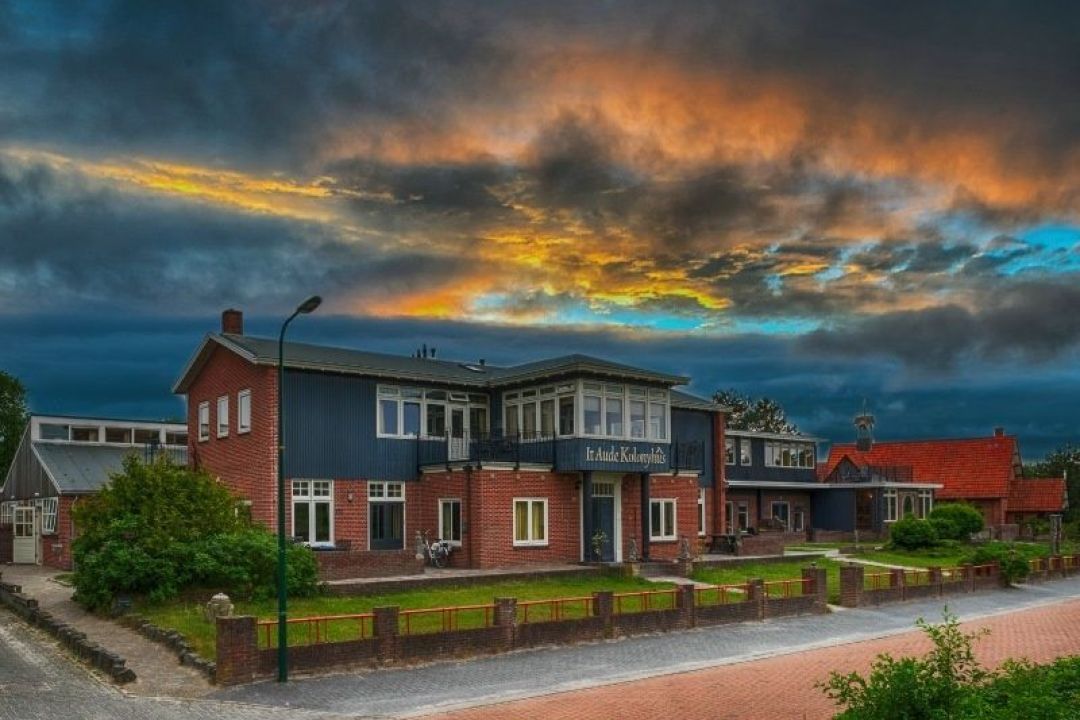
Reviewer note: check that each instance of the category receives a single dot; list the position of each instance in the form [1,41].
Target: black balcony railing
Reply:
[177,454]
[477,448]
[689,456]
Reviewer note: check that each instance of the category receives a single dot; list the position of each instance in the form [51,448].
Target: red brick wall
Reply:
[424,510]
[719,498]
[56,548]
[750,498]
[684,488]
[246,463]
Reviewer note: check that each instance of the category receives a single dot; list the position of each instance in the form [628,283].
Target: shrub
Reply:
[1012,558]
[956,521]
[911,533]
[156,529]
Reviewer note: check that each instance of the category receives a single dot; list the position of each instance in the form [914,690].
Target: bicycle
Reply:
[438,552]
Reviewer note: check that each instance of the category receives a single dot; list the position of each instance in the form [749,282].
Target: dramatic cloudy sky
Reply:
[818,201]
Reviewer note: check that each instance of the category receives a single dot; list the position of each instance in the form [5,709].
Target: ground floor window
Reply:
[780,513]
[798,520]
[313,511]
[530,521]
[386,515]
[662,520]
[450,521]
[7,512]
[909,505]
[48,515]
[926,503]
[738,516]
[701,511]
[890,505]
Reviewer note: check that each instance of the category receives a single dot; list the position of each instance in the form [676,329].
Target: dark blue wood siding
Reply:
[833,510]
[757,469]
[695,426]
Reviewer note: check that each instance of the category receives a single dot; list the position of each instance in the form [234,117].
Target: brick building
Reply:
[512,465]
[61,459]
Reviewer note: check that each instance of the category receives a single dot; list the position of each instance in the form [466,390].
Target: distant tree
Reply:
[754,414]
[13,418]
[1063,461]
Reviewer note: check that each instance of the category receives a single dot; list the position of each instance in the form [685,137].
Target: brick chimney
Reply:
[232,322]
[999,431]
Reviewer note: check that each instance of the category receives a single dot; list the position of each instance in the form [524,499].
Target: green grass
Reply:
[809,546]
[945,556]
[720,575]
[187,616]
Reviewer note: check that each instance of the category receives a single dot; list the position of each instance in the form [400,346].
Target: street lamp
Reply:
[305,307]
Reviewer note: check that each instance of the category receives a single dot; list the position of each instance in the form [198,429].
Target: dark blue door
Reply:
[603,521]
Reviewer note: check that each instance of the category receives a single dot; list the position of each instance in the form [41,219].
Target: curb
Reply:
[174,641]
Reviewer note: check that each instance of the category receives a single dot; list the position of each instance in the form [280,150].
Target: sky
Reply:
[824,202]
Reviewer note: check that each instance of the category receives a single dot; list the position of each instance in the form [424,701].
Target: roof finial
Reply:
[864,429]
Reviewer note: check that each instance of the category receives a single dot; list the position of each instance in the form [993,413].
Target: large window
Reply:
[48,515]
[890,505]
[701,511]
[450,521]
[313,511]
[51,431]
[607,410]
[789,454]
[662,520]
[729,451]
[738,516]
[204,421]
[926,502]
[530,521]
[780,513]
[409,411]
[638,416]
[7,512]
[592,404]
[243,411]
[566,415]
[223,416]
[386,515]
[744,451]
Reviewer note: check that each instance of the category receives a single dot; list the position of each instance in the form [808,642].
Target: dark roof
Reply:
[264,351]
[77,468]
[680,399]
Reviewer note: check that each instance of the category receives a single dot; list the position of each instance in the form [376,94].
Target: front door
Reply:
[864,510]
[387,523]
[603,522]
[25,546]
[459,433]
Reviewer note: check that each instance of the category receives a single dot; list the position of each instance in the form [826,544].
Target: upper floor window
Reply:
[223,416]
[606,410]
[729,451]
[50,431]
[789,454]
[744,451]
[204,420]
[411,411]
[539,412]
[243,411]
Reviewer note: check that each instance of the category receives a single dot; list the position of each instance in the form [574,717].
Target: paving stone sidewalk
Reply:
[157,669]
[455,685]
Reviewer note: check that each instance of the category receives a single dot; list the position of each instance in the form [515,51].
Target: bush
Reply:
[158,529]
[1012,558]
[956,521]
[911,533]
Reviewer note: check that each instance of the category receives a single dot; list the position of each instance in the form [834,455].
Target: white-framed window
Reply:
[744,451]
[798,520]
[890,505]
[729,451]
[738,516]
[48,515]
[530,521]
[610,410]
[407,412]
[789,454]
[450,520]
[662,515]
[926,503]
[223,416]
[243,411]
[7,513]
[386,491]
[204,421]
[313,511]
[780,511]
[701,511]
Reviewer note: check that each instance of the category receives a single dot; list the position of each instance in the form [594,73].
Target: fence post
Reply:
[385,628]
[852,582]
[896,581]
[506,618]
[604,608]
[756,594]
[684,601]
[1057,565]
[969,577]
[237,650]
[936,578]
[819,585]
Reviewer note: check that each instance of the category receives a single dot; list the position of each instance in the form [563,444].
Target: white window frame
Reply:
[442,530]
[772,513]
[530,541]
[311,498]
[774,450]
[223,417]
[926,503]
[798,519]
[746,457]
[49,508]
[513,402]
[891,504]
[701,512]
[204,421]
[404,395]
[672,532]
[729,451]
[243,408]
[7,512]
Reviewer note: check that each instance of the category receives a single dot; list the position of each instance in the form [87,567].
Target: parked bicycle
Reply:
[438,552]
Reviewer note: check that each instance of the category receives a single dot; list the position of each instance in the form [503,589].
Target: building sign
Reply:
[616,454]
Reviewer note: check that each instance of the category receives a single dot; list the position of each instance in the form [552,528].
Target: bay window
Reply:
[607,410]
[591,405]
[637,413]
[566,415]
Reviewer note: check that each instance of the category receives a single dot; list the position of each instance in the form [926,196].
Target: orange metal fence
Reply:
[878,581]
[630,602]
[554,609]
[721,594]
[428,620]
[319,629]
[793,587]
[916,577]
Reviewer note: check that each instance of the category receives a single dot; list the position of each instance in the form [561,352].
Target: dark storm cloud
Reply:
[1031,321]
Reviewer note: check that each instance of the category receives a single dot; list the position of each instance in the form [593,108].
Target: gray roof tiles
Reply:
[76,468]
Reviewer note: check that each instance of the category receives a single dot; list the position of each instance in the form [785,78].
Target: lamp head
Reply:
[309,305]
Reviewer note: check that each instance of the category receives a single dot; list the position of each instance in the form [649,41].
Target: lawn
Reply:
[945,556]
[187,616]
[771,571]
[811,546]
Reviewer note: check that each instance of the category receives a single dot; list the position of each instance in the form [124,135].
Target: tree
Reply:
[13,418]
[754,414]
[1064,461]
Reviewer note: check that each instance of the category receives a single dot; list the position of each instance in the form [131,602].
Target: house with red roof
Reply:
[986,472]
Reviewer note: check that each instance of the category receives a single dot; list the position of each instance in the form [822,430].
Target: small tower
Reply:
[864,430]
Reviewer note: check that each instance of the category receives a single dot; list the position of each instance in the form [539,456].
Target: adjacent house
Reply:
[60,460]
[561,460]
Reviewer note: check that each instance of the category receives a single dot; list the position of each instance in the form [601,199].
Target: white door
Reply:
[458,439]
[25,548]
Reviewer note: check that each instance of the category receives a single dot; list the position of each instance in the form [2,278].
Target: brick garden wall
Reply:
[896,585]
[344,564]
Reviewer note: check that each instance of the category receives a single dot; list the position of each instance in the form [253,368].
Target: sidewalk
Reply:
[457,685]
[158,671]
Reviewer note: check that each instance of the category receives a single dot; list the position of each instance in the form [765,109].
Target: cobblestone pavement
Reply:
[443,687]
[158,671]
[38,681]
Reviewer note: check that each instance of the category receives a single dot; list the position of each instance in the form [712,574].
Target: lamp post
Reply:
[305,307]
